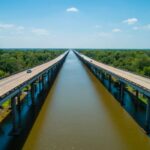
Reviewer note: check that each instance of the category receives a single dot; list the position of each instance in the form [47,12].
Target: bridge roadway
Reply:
[10,83]
[80,114]
[139,82]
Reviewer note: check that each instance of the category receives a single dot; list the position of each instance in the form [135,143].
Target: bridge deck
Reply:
[10,83]
[137,80]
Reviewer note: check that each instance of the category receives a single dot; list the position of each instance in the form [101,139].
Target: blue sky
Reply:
[75,23]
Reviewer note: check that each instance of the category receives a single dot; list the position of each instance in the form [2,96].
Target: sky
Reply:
[74,23]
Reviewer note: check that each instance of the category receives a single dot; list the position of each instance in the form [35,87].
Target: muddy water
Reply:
[80,114]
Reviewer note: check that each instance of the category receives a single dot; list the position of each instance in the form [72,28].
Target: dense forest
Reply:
[12,61]
[137,61]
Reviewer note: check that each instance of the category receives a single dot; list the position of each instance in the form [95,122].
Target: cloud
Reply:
[131,21]
[72,9]
[39,31]
[116,30]
[11,27]
[6,26]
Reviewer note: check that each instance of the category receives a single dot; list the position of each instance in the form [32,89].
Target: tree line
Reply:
[13,61]
[136,61]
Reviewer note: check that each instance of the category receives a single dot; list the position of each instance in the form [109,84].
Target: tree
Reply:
[2,73]
[147,71]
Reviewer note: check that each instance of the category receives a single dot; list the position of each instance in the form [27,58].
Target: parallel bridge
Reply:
[139,83]
[11,87]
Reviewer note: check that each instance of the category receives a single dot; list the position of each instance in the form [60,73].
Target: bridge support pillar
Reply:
[43,82]
[33,91]
[49,78]
[15,127]
[55,69]
[148,116]
[19,108]
[136,99]
[97,73]
[121,93]
[102,77]
[109,82]
[92,68]
[137,94]
[95,70]
[52,76]
[40,82]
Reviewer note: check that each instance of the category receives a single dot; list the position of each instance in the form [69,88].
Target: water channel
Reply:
[80,114]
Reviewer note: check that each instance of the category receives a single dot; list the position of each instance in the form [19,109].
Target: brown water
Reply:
[80,114]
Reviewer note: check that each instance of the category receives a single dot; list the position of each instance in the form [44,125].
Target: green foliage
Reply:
[147,71]
[13,61]
[2,73]
[137,61]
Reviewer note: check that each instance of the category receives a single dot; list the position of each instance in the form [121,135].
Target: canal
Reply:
[80,114]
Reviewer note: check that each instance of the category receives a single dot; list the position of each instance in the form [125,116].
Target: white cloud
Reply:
[116,30]
[131,21]
[72,9]
[11,27]
[6,26]
[39,31]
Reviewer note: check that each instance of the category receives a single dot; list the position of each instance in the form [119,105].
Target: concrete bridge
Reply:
[11,87]
[139,83]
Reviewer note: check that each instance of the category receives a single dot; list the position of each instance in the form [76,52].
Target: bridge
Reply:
[139,83]
[11,88]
